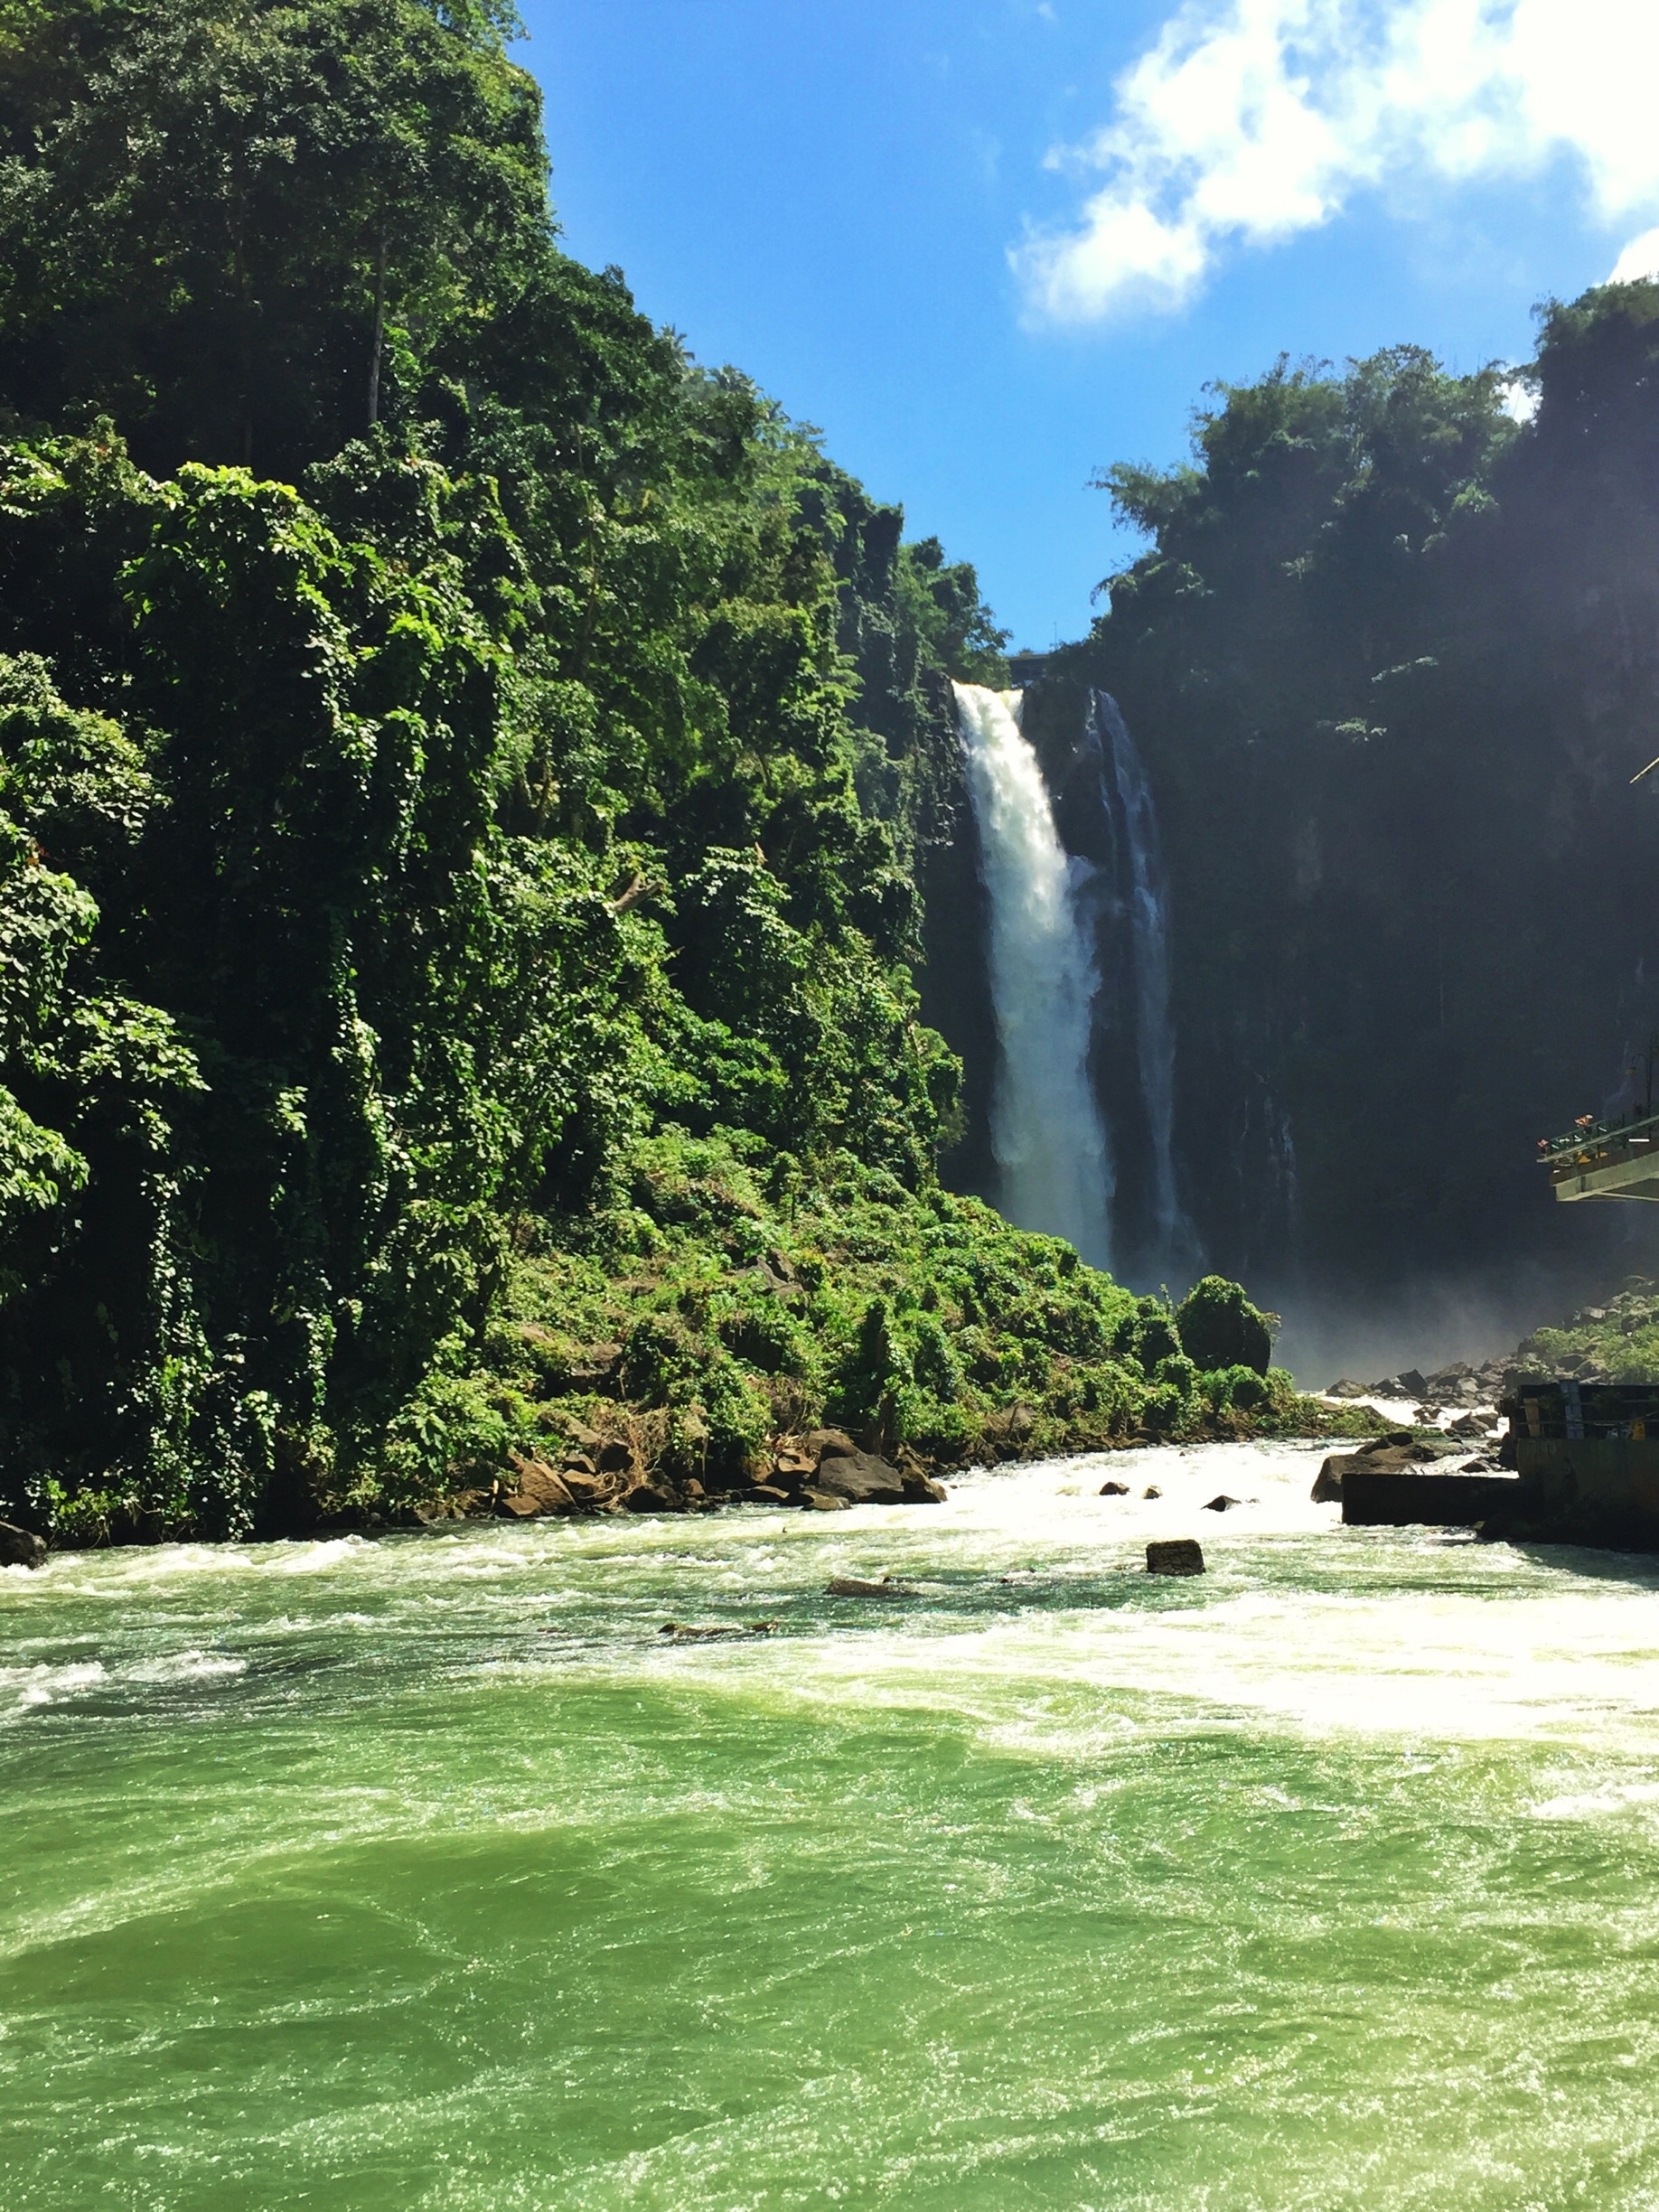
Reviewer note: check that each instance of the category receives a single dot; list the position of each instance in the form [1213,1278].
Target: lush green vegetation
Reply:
[1392,656]
[462,770]
[1617,1341]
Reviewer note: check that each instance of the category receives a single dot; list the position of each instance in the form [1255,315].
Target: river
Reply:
[425,1872]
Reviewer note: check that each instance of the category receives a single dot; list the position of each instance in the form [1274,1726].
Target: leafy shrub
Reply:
[1219,1327]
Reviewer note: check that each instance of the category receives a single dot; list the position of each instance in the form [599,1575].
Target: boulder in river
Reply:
[855,1586]
[20,1546]
[1175,1555]
[1151,1491]
[1469,1425]
[1114,1489]
[859,1478]
[822,1500]
[1221,1502]
[654,1498]
[1400,1454]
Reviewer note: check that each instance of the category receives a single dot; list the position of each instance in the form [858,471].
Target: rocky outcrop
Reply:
[825,1471]
[1394,1454]
[1458,1384]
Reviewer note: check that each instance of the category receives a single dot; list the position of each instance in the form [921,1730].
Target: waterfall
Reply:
[1127,797]
[1046,1127]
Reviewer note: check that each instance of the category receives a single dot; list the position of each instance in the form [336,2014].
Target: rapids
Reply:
[425,1872]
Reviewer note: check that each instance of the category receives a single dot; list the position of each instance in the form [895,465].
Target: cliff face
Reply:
[1391,664]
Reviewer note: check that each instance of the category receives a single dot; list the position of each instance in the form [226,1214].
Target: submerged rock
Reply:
[854,1585]
[685,1632]
[1175,1555]
[20,1546]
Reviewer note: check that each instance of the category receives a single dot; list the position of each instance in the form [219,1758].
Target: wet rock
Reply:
[1151,1491]
[1400,1453]
[1469,1425]
[1114,1489]
[651,1498]
[1345,1386]
[1175,1555]
[1327,1483]
[20,1546]
[860,1478]
[769,1494]
[686,1632]
[921,1489]
[854,1585]
[1411,1383]
[823,1501]
[1221,1502]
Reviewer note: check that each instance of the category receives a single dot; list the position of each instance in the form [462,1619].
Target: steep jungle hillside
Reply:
[462,769]
[1393,658]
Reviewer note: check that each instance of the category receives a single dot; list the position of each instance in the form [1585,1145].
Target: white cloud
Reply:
[1518,400]
[1639,259]
[1247,121]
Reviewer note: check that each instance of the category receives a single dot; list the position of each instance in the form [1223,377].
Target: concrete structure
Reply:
[1585,1470]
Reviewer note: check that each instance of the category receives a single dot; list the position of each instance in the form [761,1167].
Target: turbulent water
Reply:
[1126,797]
[426,1873]
[1046,1127]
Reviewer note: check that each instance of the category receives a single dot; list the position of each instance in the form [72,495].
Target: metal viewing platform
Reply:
[1612,1158]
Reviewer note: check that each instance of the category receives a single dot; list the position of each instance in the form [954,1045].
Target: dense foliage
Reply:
[1616,1342]
[1392,656]
[462,770]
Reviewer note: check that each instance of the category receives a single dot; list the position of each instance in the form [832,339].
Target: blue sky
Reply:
[989,246]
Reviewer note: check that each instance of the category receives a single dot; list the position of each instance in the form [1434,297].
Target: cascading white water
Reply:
[1046,1127]
[1128,806]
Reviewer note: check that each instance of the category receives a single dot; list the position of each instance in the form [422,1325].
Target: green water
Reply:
[425,1873]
